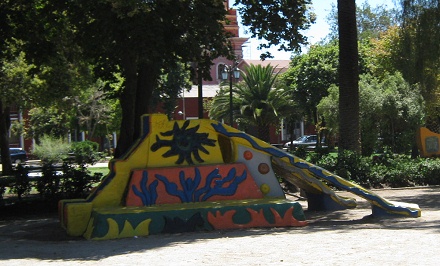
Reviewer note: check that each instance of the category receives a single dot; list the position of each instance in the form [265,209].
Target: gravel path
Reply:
[348,237]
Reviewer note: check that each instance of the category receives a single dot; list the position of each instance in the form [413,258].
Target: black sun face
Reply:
[185,143]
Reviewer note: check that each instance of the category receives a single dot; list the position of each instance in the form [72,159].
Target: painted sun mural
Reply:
[185,143]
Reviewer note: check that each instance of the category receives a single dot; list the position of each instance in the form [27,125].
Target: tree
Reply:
[384,53]
[94,111]
[310,75]
[49,121]
[171,84]
[256,101]
[420,50]
[16,81]
[371,22]
[287,20]
[348,77]
[390,109]
[141,39]
[39,35]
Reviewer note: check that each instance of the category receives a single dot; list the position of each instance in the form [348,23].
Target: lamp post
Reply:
[231,71]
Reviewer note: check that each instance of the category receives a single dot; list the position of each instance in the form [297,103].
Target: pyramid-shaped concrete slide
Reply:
[188,175]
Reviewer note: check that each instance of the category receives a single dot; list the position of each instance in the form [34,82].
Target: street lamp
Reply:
[231,71]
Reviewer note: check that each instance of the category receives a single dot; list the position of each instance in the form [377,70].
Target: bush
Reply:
[328,162]
[66,182]
[355,168]
[22,185]
[318,154]
[51,150]
[430,172]
[48,185]
[86,152]
[300,152]
[77,182]
[61,180]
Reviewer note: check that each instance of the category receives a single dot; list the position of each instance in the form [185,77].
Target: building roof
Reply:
[280,65]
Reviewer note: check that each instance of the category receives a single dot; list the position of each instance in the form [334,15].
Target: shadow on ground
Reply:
[37,234]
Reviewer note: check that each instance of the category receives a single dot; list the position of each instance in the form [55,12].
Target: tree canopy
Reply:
[141,40]
[287,20]
[390,111]
[371,21]
[310,75]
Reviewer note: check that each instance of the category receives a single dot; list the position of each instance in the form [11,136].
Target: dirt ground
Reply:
[347,237]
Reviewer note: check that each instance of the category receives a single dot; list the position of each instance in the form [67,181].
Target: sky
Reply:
[316,32]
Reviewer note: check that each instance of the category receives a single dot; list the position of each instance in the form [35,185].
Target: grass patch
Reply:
[103,170]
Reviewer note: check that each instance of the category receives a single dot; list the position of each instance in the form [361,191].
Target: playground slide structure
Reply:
[189,175]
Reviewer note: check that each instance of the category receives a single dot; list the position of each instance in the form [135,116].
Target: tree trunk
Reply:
[147,80]
[5,123]
[349,129]
[127,100]
[264,133]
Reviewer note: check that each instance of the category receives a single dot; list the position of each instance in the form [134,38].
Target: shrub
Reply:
[22,185]
[51,150]
[86,152]
[48,185]
[429,172]
[300,152]
[355,168]
[77,182]
[401,170]
[66,182]
[318,154]
[328,162]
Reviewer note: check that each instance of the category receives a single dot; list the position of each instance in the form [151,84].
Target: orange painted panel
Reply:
[191,184]
[428,142]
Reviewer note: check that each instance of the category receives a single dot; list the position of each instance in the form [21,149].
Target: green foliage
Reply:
[65,182]
[384,53]
[370,21]
[77,182]
[173,80]
[417,48]
[429,172]
[144,39]
[93,110]
[57,181]
[300,152]
[317,154]
[327,161]
[381,170]
[257,101]
[21,185]
[310,75]
[354,167]
[287,20]
[16,80]
[48,185]
[137,39]
[85,152]
[47,122]
[390,113]
[51,150]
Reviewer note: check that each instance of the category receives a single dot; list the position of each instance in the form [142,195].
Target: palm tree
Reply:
[256,101]
[348,77]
